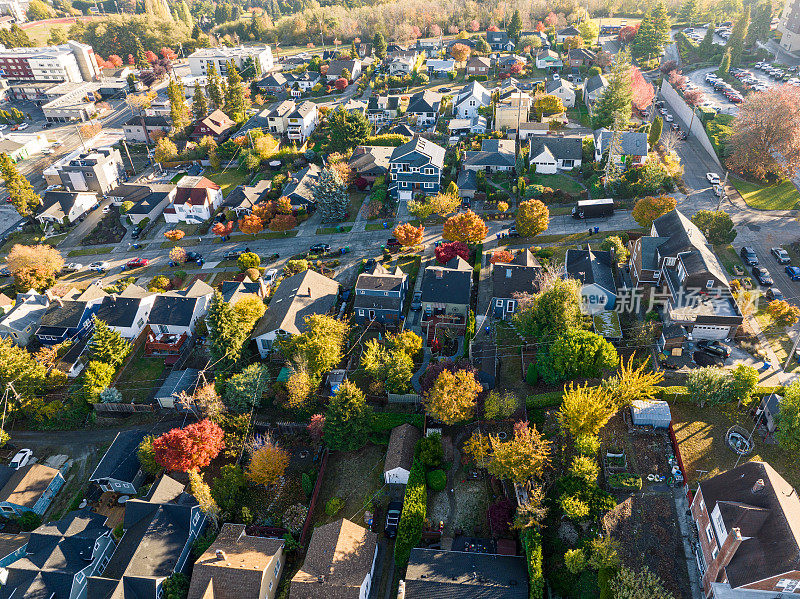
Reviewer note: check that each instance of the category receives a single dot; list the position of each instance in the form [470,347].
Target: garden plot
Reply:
[472,502]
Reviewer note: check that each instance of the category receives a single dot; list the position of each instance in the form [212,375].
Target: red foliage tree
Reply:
[551,19]
[503,256]
[627,33]
[643,91]
[516,68]
[131,59]
[539,26]
[447,251]
[151,56]
[282,222]
[223,229]
[116,60]
[340,84]
[189,448]
[168,53]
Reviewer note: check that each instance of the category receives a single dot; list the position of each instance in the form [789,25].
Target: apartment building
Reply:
[72,62]
[789,26]
[200,60]
[100,171]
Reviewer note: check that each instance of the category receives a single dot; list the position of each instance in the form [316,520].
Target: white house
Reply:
[471,97]
[563,89]
[277,118]
[400,454]
[175,313]
[548,59]
[553,153]
[196,198]
[440,68]
[200,60]
[403,64]
[565,33]
[58,206]
[302,121]
[128,312]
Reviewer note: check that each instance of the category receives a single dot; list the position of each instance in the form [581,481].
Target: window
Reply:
[277,568]
[79,577]
[499,303]
[511,305]
[709,283]
[714,553]
[428,170]
[709,533]
[567,163]
[429,186]
[195,518]
[360,312]
[270,585]
[509,272]
[669,261]
[163,329]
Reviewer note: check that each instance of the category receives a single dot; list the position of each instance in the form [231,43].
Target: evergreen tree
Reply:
[706,47]
[735,45]
[199,103]
[186,14]
[224,332]
[725,63]
[688,13]
[654,134]
[330,193]
[379,45]
[20,191]
[653,33]
[108,345]
[141,59]
[353,50]
[347,420]
[760,25]
[177,105]
[613,171]
[235,98]
[616,99]
[346,130]
[214,87]
[515,26]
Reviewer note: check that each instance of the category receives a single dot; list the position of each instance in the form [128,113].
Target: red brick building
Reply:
[748,527]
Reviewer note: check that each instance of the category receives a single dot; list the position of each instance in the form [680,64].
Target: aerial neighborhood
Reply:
[396,300]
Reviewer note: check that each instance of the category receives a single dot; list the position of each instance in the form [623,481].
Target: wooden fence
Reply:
[676,449]
[314,497]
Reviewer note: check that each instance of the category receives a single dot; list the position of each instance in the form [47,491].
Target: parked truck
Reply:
[593,209]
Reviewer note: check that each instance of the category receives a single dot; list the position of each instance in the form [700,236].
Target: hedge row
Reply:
[680,394]
[386,421]
[532,544]
[625,481]
[409,529]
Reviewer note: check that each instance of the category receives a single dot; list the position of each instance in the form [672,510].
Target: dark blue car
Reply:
[793,272]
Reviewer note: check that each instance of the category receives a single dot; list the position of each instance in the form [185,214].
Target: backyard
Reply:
[228,179]
[108,230]
[779,196]
[141,375]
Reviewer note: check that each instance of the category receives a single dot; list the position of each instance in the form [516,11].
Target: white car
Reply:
[106,209]
[669,118]
[99,266]
[22,126]
[556,76]
[22,457]
[270,276]
[3,127]
[712,178]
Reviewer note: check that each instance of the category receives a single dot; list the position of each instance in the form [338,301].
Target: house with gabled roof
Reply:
[569,31]
[301,122]
[578,57]
[297,297]
[174,315]
[59,557]
[478,66]
[300,187]
[561,88]
[400,454]
[20,323]
[548,59]
[512,279]
[119,470]
[494,156]
[471,97]
[593,88]
[416,168]
[339,563]
[234,290]
[380,296]
[556,152]
[370,162]
[126,315]
[446,290]
[66,319]
[217,125]
[149,200]
[196,198]
[595,271]
[242,199]
[633,146]
[499,41]
[238,565]
[440,68]
[337,67]
[60,207]
[382,109]
[424,106]
[28,489]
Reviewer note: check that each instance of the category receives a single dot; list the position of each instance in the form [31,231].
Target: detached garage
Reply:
[651,413]
[400,454]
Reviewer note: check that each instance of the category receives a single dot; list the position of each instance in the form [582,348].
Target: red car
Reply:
[136,263]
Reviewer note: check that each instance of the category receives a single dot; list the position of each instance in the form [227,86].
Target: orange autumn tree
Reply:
[465,226]
[408,235]
[189,448]
[268,463]
[175,235]
[460,52]
[251,224]
[283,205]
[177,255]
[502,256]
[282,222]
[222,229]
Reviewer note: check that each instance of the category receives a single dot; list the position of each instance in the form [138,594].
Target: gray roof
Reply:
[247,196]
[121,460]
[493,152]
[552,85]
[422,146]
[581,54]
[434,574]
[448,284]
[58,203]
[172,310]
[594,83]
[569,31]
[634,143]
[177,381]
[301,188]
[63,314]
[369,158]
[292,303]
[118,311]
[337,66]
[29,309]
[302,110]
[467,179]
[424,101]
[402,129]
[519,276]
[474,89]
[564,148]
[686,239]
[591,267]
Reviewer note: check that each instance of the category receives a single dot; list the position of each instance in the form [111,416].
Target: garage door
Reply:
[404,195]
[709,332]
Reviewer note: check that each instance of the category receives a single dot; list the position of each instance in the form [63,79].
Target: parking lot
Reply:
[777,271]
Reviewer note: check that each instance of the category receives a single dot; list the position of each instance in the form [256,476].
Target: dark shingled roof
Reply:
[685,238]
[591,267]
[66,314]
[121,460]
[448,284]
[172,310]
[770,518]
[400,452]
[434,574]
[118,311]
[563,148]
[525,271]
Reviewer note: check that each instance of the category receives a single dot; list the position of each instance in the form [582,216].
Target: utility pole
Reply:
[78,129]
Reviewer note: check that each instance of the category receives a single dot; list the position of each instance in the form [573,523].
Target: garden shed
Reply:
[651,413]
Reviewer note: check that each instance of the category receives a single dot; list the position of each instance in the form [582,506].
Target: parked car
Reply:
[137,230]
[136,263]
[762,275]
[233,254]
[194,257]
[793,272]
[669,118]
[320,248]
[714,347]
[21,458]
[392,243]
[72,267]
[773,293]
[748,254]
[270,276]
[781,255]
[712,178]
[370,264]
[416,301]
[99,266]
[22,126]
[675,126]
[393,518]
[5,272]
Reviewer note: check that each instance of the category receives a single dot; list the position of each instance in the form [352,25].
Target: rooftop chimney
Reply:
[220,554]
[759,486]
[439,273]
[309,291]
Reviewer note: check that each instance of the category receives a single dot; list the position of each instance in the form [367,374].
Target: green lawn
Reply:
[140,377]
[91,251]
[781,196]
[729,258]
[227,180]
[332,230]
[568,184]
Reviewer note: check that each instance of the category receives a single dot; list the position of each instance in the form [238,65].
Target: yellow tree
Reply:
[585,410]
[465,226]
[533,217]
[269,462]
[408,235]
[521,458]
[202,493]
[478,448]
[649,208]
[177,255]
[453,396]
[174,234]
[445,203]
[547,104]
[631,383]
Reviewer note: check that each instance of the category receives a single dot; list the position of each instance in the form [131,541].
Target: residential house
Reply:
[126,315]
[471,97]
[593,88]
[416,168]
[62,207]
[354,106]
[174,315]
[595,271]
[440,68]
[446,293]
[561,88]
[381,110]
[301,122]
[478,66]
[99,170]
[339,563]
[467,183]
[469,43]
[66,319]
[748,533]
[473,126]
[12,547]
[499,41]
[28,489]
[146,129]
[159,533]
[563,34]
[552,153]
[337,67]
[196,199]
[6,303]
[548,59]
[277,117]
[159,106]
[370,162]
[430,45]
[119,470]
[424,107]
[148,200]
[495,155]
[540,34]
[511,110]
[400,454]
[272,83]
[242,199]
[461,575]
[632,143]
[403,62]
[579,57]
[393,47]
[676,258]
[296,298]
[233,291]
[20,323]
[13,149]
[301,83]
[216,125]
[402,129]
[364,50]
[509,280]
[238,566]
[300,187]
[380,296]
[59,558]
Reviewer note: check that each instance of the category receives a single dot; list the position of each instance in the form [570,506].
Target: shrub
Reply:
[625,481]
[587,445]
[333,505]
[544,400]
[575,560]
[248,260]
[531,376]
[29,521]
[308,486]
[431,451]
[532,544]
[574,507]
[409,529]
[437,479]
[584,467]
